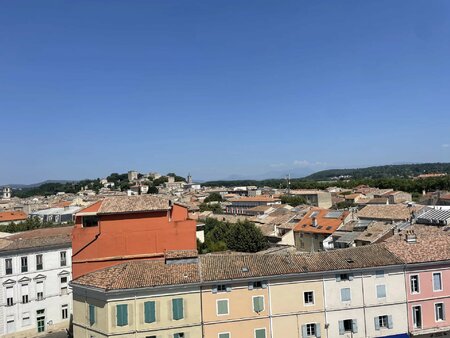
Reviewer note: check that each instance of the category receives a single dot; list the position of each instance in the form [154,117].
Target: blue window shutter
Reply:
[214,289]
[341,327]
[228,288]
[177,308]
[264,284]
[304,332]
[91,314]
[122,314]
[390,322]
[354,326]
[318,334]
[437,281]
[250,286]
[338,278]
[260,333]
[350,276]
[150,313]
[345,294]
[377,323]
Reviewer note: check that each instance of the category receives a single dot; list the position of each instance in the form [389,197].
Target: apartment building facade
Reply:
[35,271]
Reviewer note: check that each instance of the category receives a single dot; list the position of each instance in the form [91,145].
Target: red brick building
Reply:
[125,228]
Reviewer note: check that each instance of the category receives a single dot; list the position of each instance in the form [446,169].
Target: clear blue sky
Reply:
[218,88]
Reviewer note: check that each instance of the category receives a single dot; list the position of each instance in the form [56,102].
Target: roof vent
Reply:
[411,237]
[349,260]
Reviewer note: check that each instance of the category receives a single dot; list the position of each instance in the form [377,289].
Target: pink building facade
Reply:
[428,298]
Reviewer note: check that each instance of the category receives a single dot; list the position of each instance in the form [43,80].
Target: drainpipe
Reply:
[270,310]
[324,294]
[364,305]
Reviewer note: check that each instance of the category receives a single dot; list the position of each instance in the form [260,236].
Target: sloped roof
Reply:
[10,216]
[325,223]
[388,212]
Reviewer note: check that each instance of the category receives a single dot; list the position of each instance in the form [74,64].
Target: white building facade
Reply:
[35,272]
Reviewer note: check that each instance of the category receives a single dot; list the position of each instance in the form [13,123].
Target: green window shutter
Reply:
[91,314]
[260,333]
[149,312]
[222,307]
[258,304]
[122,314]
[224,335]
[177,308]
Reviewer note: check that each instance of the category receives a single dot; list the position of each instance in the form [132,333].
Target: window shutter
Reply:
[318,334]
[91,314]
[264,284]
[258,304]
[381,291]
[354,326]
[377,323]
[228,288]
[150,313]
[122,314]
[40,287]
[341,327]
[304,333]
[345,294]
[338,278]
[390,322]
[214,289]
[350,276]
[437,281]
[177,308]
[260,333]
[24,289]
[250,286]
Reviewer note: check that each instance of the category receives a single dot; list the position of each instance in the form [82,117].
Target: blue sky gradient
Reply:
[218,88]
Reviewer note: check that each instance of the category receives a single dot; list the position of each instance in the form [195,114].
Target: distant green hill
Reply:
[385,171]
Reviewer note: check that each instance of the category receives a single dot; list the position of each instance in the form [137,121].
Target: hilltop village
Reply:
[149,255]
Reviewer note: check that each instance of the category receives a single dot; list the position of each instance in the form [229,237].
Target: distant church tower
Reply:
[189,179]
[6,193]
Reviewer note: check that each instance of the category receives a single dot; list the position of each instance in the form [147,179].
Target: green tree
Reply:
[214,207]
[293,200]
[214,197]
[246,237]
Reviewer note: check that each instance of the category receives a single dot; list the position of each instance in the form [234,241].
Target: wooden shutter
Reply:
[149,312]
[341,327]
[122,314]
[390,322]
[377,323]
[318,334]
[177,308]
[354,326]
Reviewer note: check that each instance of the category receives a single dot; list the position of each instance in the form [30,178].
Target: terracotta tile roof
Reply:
[9,216]
[174,254]
[126,204]
[388,212]
[325,224]
[255,199]
[39,238]
[433,244]
[141,274]
[221,267]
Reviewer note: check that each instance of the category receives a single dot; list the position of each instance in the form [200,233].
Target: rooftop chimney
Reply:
[411,237]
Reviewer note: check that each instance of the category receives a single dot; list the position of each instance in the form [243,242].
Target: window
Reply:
[122,314]
[24,264]
[63,285]
[379,273]
[8,266]
[344,277]
[345,294]
[222,307]
[62,258]
[383,322]
[40,290]
[90,221]
[150,336]
[9,296]
[260,333]
[24,292]
[258,304]
[257,285]
[381,291]
[439,312]
[40,318]
[26,319]
[437,281]
[39,265]
[221,288]
[25,299]
[91,314]
[310,330]
[177,309]
[308,297]
[348,325]
[417,317]
[414,284]
[178,335]
[64,311]
[224,335]
[150,312]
